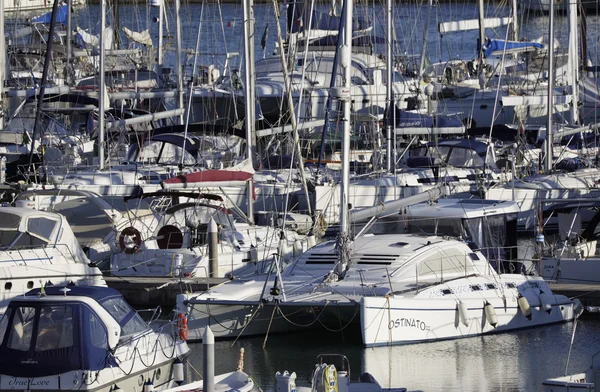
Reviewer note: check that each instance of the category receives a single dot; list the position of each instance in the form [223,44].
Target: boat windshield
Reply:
[12,240]
[131,323]
[159,152]
[54,329]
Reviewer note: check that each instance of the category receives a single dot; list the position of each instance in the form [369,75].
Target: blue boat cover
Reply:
[61,16]
[88,351]
[492,45]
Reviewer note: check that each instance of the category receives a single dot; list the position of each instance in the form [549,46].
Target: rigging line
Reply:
[260,306]
[269,328]
[189,105]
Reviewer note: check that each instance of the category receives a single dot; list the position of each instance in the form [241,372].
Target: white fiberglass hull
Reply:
[571,270]
[402,320]
[102,381]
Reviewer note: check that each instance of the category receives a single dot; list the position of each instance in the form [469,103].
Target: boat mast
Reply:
[549,149]
[292,111]
[2,63]
[41,91]
[343,245]
[515,24]
[573,60]
[481,35]
[69,43]
[101,87]
[159,55]
[178,59]
[389,91]
[425,38]
[249,95]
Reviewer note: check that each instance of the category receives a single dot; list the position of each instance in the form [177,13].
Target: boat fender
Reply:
[330,379]
[182,328]
[490,314]
[462,312]
[546,300]
[148,386]
[137,239]
[524,306]
[178,375]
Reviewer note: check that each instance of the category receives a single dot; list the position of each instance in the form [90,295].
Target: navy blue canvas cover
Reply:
[82,354]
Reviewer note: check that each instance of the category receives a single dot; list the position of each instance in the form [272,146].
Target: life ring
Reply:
[137,239]
[182,328]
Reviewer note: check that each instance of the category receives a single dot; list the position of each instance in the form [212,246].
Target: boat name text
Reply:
[408,322]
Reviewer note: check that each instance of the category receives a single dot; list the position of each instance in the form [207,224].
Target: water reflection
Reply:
[517,361]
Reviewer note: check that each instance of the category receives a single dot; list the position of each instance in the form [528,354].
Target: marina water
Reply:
[517,361]
[514,361]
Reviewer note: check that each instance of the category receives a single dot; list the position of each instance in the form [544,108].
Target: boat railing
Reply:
[44,249]
[156,312]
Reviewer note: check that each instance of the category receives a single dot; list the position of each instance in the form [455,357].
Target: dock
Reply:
[147,292]
[588,294]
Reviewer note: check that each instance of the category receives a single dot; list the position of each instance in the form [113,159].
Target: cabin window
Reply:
[55,328]
[511,285]
[98,333]
[475,287]
[117,308]
[4,324]
[124,313]
[7,237]
[445,264]
[464,157]
[446,291]
[21,329]
[135,325]
[22,241]
[41,227]
[490,286]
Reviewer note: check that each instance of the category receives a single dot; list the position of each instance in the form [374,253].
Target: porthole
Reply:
[511,285]
[446,291]
[8,286]
[490,286]
[475,287]
[30,284]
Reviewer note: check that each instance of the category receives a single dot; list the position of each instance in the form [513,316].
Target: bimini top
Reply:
[65,329]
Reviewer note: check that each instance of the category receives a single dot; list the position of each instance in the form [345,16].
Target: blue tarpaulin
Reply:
[493,45]
[61,16]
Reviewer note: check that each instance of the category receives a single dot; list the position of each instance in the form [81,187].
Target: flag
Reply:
[231,23]
[263,40]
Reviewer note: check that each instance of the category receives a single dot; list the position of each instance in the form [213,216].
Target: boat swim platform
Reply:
[147,292]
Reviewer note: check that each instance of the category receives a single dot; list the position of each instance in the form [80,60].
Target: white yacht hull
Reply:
[569,270]
[401,320]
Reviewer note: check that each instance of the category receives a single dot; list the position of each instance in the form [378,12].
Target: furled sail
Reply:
[139,37]
[94,40]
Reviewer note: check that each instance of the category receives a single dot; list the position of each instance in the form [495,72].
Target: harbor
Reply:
[299,196]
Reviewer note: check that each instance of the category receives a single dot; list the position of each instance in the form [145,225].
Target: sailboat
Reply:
[393,289]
